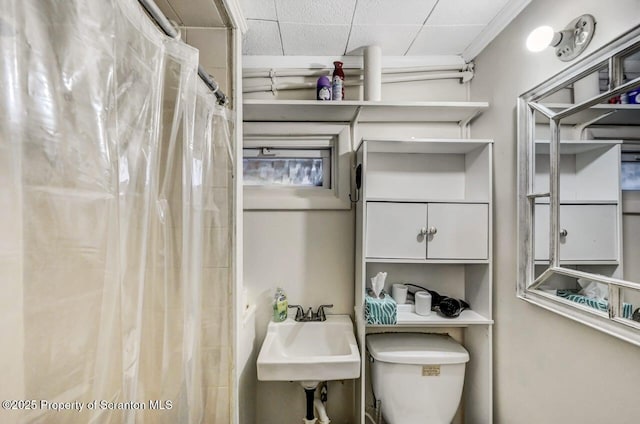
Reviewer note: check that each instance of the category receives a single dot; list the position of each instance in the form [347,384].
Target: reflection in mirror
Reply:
[630,171]
[631,304]
[589,295]
[631,71]
[596,194]
[584,88]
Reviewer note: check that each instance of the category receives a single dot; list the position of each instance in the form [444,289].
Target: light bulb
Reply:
[540,38]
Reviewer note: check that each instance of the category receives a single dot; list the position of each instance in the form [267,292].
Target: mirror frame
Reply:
[529,104]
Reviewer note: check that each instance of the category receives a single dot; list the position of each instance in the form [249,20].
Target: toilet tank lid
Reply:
[419,349]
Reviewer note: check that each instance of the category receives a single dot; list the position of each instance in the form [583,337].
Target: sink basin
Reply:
[309,351]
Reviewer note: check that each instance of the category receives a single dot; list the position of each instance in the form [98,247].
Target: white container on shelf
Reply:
[423,303]
[399,293]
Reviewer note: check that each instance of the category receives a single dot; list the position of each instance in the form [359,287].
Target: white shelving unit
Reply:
[410,186]
[441,173]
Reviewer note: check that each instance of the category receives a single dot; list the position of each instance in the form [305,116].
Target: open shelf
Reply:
[408,318]
[426,261]
[628,114]
[574,147]
[420,200]
[360,111]
[411,170]
[424,145]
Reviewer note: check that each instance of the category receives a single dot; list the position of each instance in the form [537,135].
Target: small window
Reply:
[296,166]
[285,167]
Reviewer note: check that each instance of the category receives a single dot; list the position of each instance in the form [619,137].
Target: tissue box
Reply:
[382,311]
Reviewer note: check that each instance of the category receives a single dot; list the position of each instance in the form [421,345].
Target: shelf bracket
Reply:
[465,128]
[352,127]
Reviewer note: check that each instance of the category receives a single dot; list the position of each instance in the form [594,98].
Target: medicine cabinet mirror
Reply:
[579,191]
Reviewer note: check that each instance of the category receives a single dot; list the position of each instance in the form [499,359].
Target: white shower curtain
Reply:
[115,221]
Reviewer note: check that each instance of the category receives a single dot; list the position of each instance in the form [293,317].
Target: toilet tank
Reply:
[417,377]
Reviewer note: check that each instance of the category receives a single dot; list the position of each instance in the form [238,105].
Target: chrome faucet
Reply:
[309,316]
[320,316]
[299,312]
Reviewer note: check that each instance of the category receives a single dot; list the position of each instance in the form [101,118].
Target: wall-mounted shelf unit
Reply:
[425,217]
[359,111]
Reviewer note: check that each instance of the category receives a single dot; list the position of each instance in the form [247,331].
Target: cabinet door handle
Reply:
[563,233]
[432,230]
[423,231]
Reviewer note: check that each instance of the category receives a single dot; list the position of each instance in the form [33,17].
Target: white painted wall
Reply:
[311,255]
[548,369]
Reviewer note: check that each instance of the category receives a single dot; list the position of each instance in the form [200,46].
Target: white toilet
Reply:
[417,377]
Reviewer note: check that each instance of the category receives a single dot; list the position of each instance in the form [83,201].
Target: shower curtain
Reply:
[115,221]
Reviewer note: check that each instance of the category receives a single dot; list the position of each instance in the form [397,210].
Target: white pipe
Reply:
[464,76]
[322,412]
[366,414]
[267,73]
[372,73]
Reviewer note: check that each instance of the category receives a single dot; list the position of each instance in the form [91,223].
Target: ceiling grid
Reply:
[344,27]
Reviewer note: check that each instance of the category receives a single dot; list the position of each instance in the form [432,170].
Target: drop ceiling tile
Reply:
[198,13]
[392,12]
[394,40]
[465,12]
[259,9]
[262,38]
[444,40]
[332,12]
[314,40]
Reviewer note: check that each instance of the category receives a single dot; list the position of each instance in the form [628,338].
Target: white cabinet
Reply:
[447,231]
[587,233]
[424,217]
[460,231]
[394,230]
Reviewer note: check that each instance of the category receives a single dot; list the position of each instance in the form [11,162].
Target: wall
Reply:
[215,52]
[548,369]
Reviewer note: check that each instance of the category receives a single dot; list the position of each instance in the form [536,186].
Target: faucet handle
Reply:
[320,314]
[299,312]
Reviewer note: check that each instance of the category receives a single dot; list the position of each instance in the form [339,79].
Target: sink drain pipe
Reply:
[310,418]
[321,404]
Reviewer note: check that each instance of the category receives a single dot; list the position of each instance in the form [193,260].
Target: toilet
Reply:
[417,377]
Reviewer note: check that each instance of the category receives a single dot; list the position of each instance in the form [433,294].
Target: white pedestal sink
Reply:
[309,352]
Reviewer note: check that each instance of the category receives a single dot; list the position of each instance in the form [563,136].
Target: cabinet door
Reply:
[461,231]
[393,230]
[591,233]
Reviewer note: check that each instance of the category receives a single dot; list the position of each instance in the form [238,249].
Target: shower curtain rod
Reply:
[161,20]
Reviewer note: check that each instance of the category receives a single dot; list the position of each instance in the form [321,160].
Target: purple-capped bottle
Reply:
[323,88]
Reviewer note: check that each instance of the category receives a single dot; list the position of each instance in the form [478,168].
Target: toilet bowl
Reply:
[418,378]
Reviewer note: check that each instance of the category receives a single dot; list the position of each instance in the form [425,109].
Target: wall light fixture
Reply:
[569,42]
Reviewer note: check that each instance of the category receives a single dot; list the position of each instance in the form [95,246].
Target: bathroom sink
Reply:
[309,351]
